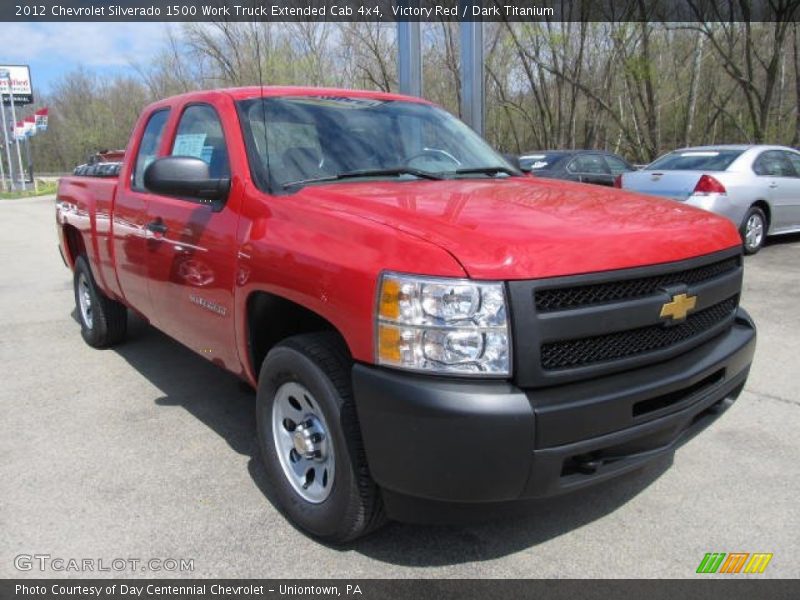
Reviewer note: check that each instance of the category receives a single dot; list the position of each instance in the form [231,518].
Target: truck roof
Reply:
[244,93]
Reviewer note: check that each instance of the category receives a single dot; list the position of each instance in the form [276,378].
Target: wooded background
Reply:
[637,88]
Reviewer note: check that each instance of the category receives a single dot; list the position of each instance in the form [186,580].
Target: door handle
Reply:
[773,185]
[157,227]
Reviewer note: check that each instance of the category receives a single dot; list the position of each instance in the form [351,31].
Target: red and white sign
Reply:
[41,119]
[20,76]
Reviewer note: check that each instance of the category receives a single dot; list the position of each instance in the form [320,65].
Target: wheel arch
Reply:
[271,318]
[766,208]
[74,244]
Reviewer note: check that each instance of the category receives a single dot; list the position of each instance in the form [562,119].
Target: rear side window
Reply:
[794,159]
[540,162]
[200,135]
[773,163]
[695,160]
[617,166]
[589,163]
[148,148]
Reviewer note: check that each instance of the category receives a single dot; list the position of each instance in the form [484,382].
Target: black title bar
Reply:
[399,10]
[732,588]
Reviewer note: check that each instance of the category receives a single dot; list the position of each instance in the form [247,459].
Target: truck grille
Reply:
[622,344]
[586,295]
[584,326]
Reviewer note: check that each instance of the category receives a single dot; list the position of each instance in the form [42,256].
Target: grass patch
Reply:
[43,188]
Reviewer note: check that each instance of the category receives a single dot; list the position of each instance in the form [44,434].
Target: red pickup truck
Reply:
[424,325]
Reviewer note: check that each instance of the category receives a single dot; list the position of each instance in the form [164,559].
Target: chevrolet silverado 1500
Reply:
[424,325]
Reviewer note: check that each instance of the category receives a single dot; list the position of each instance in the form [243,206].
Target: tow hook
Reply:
[587,464]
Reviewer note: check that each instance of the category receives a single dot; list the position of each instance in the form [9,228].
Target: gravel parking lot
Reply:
[149,451]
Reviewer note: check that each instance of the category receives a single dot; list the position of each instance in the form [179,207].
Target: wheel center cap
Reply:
[300,443]
[305,440]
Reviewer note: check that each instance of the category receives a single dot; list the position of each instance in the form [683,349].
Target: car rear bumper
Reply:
[468,441]
[722,205]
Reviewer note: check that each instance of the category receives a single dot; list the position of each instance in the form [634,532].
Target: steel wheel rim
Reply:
[754,232]
[302,442]
[85,301]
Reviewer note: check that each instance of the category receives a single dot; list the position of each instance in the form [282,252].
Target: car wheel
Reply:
[104,322]
[754,230]
[311,441]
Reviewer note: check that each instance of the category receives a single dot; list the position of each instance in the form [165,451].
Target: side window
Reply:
[772,163]
[794,160]
[200,135]
[616,166]
[588,163]
[148,148]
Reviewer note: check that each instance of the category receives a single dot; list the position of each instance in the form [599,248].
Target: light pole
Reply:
[6,74]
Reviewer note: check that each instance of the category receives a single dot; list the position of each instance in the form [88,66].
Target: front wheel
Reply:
[754,230]
[310,439]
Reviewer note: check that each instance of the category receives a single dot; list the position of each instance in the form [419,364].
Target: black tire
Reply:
[108,323]
[752,244]
[320,363]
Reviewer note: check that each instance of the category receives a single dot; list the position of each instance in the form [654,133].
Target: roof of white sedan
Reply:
[730,147]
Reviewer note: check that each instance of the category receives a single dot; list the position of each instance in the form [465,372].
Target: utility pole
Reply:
[472,92]
[8,146]
[409,57]
[2,168]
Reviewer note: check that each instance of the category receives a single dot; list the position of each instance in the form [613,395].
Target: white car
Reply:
[755,186]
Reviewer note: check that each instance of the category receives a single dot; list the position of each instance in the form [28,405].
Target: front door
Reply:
[192,249]
[793,189]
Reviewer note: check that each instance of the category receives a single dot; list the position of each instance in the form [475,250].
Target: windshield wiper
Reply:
[365,173]
[486,171]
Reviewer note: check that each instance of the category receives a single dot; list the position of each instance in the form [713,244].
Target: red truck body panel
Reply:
[325,246]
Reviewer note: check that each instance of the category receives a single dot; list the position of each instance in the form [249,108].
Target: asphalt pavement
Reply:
[147,451]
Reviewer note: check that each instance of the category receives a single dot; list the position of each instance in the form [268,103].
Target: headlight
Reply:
[450,326]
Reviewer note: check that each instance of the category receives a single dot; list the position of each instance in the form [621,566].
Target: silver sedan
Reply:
[755,186]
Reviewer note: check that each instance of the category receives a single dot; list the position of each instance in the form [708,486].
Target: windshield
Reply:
[540,161]
[695,160]
[309,138]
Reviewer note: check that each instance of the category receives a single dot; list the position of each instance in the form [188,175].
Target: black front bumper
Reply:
[482,441]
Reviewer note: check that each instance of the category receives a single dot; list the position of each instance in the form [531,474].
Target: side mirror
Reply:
[185,176]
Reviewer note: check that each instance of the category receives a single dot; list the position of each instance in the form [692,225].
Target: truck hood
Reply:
[526,228]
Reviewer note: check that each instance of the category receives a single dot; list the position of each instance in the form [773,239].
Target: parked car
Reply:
[755,186]
[586,166]
[423,324]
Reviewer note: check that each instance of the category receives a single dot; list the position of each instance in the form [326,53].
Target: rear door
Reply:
[774,170]
[192,246]
[590,168]
[130,213]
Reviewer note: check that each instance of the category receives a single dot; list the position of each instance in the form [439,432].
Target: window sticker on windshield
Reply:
[699,153]
[190,144]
